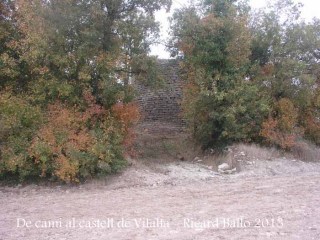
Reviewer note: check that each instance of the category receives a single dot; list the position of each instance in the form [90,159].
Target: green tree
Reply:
[81,44]
[72,119]
[221,102]
[286,49]
[11,69]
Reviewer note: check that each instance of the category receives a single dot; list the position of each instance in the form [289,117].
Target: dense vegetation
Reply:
[66,106]
[250,76]
[65,97]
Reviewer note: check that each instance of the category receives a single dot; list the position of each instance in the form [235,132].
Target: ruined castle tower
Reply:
[162,106]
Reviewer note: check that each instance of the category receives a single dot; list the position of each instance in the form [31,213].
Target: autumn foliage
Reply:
[127,115]
[66,110]
[250,76]
[282,129]
[65,143]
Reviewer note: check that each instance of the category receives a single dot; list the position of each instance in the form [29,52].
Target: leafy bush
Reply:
[222,117]
[312,127]
[311,119]
[148,71]
[240,67]
[53,127]
[62,142]
[282,129]
[126,115]
[18,122]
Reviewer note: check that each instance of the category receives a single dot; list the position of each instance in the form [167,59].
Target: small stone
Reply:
[231,171]
[224,167]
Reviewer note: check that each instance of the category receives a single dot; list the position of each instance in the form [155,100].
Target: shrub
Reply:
[18,122]
[221,118]
[127,115]
[311,119]
[282,129]
[312,127]
[74,144]
[62,142]
[271,132]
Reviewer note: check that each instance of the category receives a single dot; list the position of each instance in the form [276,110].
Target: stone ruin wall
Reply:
[162,104]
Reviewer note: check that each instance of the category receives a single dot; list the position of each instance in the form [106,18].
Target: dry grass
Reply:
[166,149]
[254,151]
[248,152]
[306,151]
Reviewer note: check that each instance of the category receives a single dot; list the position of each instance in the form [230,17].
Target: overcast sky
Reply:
[310,10]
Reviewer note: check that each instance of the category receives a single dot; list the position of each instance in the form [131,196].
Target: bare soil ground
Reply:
[267,199]
[160,197]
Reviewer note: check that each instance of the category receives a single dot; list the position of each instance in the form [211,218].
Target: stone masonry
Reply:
[162,106]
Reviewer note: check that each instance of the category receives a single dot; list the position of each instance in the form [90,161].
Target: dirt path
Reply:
[279,207]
